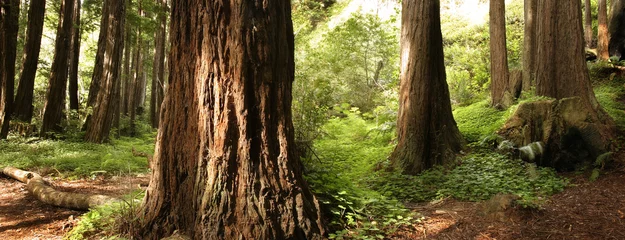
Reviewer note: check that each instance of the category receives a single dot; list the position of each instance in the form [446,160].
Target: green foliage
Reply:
[479,120]
[104,222]
[76,159]
[479,176]
[611,95]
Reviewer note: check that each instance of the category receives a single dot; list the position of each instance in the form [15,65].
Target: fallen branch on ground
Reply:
[42,191]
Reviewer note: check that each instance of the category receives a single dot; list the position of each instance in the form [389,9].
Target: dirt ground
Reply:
[584,210]
[22,216]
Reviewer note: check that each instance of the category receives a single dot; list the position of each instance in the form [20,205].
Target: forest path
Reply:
[584,210]
[22,216]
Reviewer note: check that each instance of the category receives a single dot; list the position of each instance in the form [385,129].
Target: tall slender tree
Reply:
[24,98]
[588,24]
[427,132]
[159,61]
[74,58]
[529,43]
[9,26]
[602,31]
[137,64]
[499,73]
[106,73]
[55,100]
[127,79]
[224,165]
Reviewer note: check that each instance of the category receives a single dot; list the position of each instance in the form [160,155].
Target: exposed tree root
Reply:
[42,191]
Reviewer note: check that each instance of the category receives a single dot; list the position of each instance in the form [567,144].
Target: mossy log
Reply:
[46,194]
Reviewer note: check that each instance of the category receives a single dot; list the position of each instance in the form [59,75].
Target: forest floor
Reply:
[584,210]
[22,216]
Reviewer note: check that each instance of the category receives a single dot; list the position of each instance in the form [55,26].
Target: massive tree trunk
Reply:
[499,73]
[158,69]
[616,29]
[224,165]
[9,19]
[24,98]
[74,58]
[529,43]
[110,45]
[587,24]
[427,132]
[602,31]
[55,101]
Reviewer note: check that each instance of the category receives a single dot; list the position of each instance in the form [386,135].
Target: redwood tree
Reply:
[159,60]
[602,31]
[107,71]
[529,43]
[9,25]
[499,73]
[587,24]
[24,98]
[427,132]
[561,69]
[74,58]
[224,165]
[55,101]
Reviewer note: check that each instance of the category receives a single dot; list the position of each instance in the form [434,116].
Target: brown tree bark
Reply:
[602,31]
[24,98]
[427,132]
[587,24]
[224,165]
[127,79]
[137,64]
[74,58]
[561,70]
[616,42]
[529,43]
[110,45]
[55,101]
[499,73]
[9,26]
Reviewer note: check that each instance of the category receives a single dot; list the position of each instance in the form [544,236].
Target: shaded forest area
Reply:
[312,119]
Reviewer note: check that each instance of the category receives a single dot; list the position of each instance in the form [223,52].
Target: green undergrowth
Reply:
[107,221]
[611,95]
[76,159]
[479,119]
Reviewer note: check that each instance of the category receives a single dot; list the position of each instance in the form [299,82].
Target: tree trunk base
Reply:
[567,132]
[46,194]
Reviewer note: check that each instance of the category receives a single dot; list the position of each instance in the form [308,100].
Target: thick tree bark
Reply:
[427,132]
[498,54]
[110,45]
[529,43]
[55,101]
[602,31]
[9,20]
[224,165]
[24,98]
[587,24]
[561,68]
[74,58]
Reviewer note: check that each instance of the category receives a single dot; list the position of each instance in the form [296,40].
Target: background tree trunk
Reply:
[224,165]
[616,29]
[24,98]
[561,68]
[8,42]
[55,102]
[427,132]
[602,31]
[74,58]
[136,81]
[498,54]
[111,45]
[587,24]
[159,61]
[126,75]
[529,43]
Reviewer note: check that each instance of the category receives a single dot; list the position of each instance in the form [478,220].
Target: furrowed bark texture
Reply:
[427,132]
[55,101]
[9,20]
[602,31]
[110,45]
[224,165]
[498,54]
[24,98]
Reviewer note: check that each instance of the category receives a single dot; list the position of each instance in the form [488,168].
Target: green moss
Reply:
[610,95]
[479,120]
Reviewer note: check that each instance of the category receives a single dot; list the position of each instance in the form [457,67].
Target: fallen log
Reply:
[46,194]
